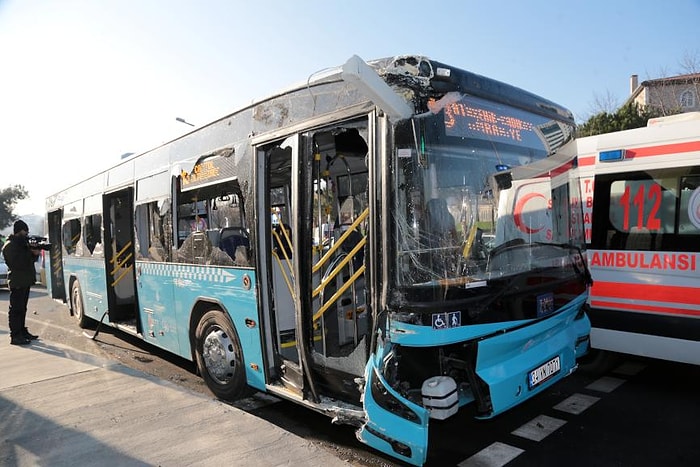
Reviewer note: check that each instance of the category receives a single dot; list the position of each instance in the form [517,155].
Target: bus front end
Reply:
[485,278]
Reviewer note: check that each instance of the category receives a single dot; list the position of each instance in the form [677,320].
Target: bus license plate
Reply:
[543,372]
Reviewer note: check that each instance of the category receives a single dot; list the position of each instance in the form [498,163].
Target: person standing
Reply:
[21,276]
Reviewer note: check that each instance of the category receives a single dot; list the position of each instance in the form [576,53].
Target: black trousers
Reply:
[19,296]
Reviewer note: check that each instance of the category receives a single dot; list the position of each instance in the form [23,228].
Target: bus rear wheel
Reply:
[219,356]
[77,307]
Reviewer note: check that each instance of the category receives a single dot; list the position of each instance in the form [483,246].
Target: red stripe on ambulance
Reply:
[640,307]
[645,292]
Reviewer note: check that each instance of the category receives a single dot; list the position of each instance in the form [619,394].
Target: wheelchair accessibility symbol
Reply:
[452,319]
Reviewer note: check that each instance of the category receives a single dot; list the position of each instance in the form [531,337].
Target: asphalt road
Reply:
[640,412]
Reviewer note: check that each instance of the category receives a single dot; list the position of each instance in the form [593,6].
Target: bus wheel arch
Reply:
[218,354]
[77,304]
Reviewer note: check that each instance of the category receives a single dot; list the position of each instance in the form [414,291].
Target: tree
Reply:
[626,117]
[690,63]
[604,103]
[8,198]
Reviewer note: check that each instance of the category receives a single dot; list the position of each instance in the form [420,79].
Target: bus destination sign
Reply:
[471,117]
[209,170]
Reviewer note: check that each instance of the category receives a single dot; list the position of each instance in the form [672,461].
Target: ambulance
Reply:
[641,198]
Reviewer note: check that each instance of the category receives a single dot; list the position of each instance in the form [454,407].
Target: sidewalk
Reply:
[62,407]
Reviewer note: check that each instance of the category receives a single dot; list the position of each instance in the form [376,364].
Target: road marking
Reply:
[606,384]
[499,454]
[496,455]
[576,403]
[539,428]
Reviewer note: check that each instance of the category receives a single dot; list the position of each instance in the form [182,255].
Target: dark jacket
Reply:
[20,262]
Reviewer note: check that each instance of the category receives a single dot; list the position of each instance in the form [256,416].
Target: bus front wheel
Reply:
[219,356]
[76,298]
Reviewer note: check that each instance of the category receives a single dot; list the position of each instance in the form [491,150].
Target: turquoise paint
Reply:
[171,291]
[91,275]
[379,420]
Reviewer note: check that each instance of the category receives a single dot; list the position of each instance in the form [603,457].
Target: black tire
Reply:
[219,356]
[77,305]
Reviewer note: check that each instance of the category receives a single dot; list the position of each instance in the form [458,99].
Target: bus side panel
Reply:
[234,290]
[91,275]
[157,307]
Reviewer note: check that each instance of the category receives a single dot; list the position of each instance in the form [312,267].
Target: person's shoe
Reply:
[29,335]
[20,341]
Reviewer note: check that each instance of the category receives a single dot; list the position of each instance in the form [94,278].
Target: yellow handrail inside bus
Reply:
[340,241]
[287,246]
[121,263]
[285,275]
[339,293]
[120,252]
[339,267]
[121,276]
[470,242]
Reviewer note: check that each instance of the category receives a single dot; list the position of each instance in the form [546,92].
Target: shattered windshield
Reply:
[476,196]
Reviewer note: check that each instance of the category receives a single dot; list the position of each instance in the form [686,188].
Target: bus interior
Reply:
[316,258]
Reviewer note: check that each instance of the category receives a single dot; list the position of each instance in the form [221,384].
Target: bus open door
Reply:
[119,258]
[55,284]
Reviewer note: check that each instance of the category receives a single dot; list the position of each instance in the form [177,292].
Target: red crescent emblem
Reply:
[518,213]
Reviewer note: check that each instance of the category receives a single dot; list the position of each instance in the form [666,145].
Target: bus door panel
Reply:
[314,216]
[337,211]
[158,310]
[277,224]
[55,284]
[119,257]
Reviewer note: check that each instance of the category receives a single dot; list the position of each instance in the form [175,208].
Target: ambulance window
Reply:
[647,205]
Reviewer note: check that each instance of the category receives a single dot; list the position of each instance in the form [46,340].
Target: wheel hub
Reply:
[219,358]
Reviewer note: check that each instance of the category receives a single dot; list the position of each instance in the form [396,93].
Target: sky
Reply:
[83,82]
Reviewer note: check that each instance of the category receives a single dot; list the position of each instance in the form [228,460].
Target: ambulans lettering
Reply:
[640,260]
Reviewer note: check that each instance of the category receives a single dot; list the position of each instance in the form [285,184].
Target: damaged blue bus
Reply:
[385,243]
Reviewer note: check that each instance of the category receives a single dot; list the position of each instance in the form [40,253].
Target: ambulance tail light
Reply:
[612,156]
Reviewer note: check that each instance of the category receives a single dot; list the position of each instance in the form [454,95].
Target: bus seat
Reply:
[214,236]
[440,222]
[440,217]
[195,249]
[231,238]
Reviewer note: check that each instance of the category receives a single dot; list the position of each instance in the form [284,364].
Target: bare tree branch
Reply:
[690,63]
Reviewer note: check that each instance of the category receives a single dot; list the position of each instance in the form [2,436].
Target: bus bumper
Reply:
[510,368]
[521,363]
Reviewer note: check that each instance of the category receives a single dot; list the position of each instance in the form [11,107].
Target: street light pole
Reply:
[182,120]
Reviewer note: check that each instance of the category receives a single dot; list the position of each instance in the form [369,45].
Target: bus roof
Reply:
[414,78]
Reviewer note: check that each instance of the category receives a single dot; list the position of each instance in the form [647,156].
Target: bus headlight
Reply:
[389,402]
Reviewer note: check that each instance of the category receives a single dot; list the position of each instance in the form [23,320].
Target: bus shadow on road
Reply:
[32,439]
